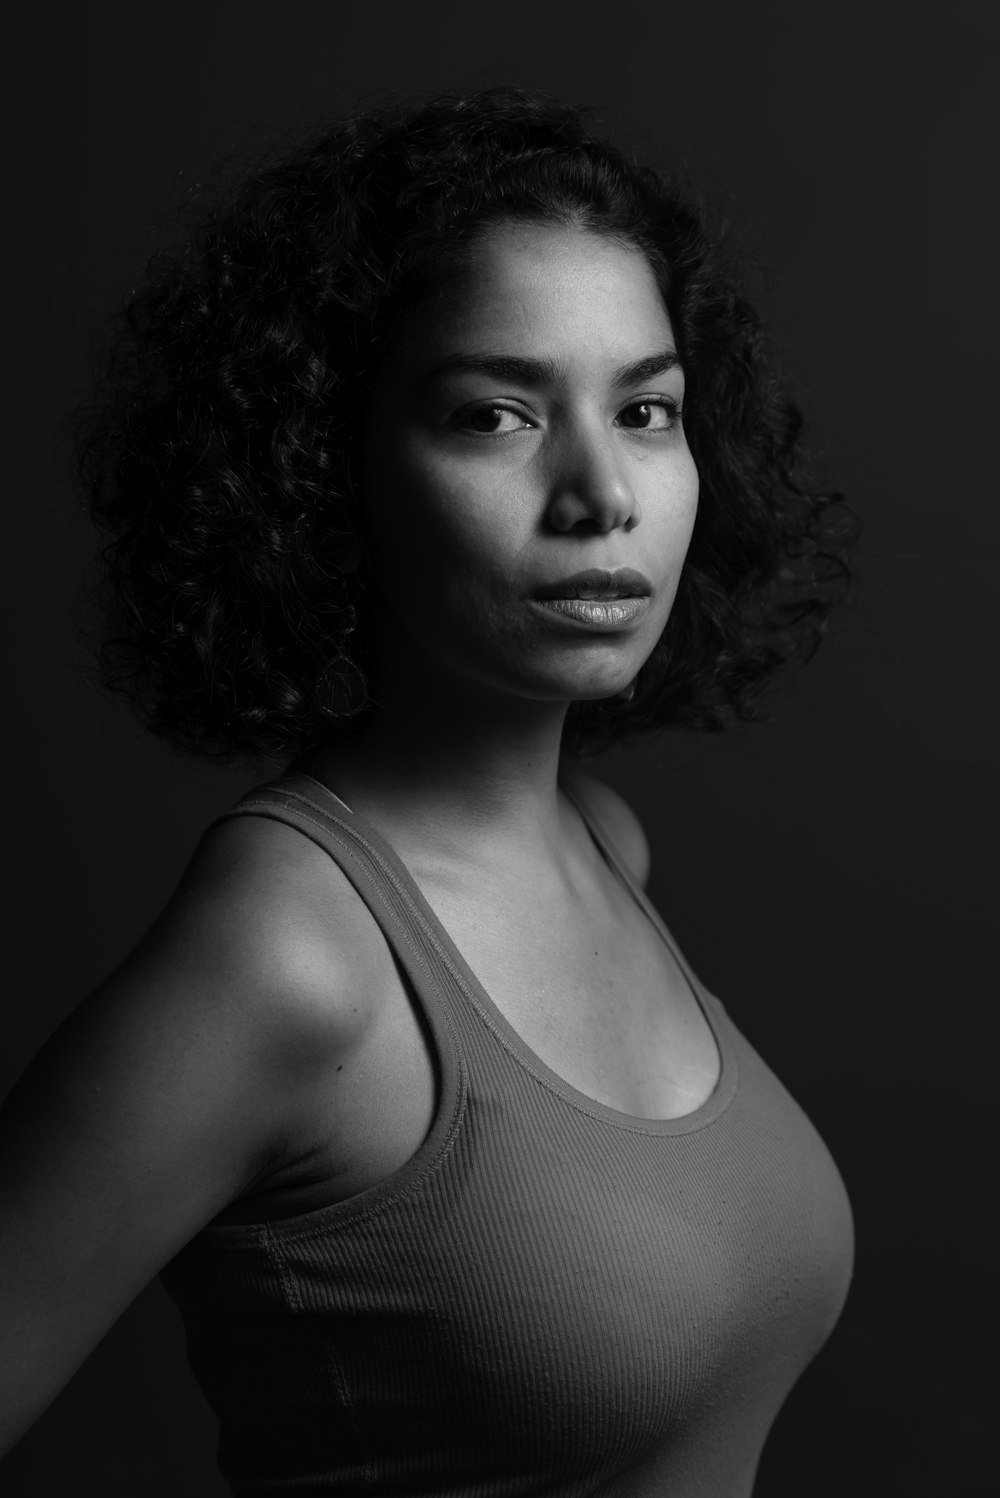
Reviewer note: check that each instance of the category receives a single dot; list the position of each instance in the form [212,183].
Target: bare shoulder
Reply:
[274,915]
[618,820]
[178,1085]
[263,967]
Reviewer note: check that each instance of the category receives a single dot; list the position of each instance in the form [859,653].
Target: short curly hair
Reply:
[224,460]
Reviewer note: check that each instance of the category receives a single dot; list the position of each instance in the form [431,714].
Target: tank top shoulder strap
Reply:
[381,882]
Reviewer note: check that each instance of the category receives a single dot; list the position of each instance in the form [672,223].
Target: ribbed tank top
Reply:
[551,1296]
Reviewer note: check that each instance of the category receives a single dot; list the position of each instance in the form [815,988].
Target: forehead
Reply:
[563,294]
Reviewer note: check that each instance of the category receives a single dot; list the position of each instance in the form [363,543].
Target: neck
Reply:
[452,765]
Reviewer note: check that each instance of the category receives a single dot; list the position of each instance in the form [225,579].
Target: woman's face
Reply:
[524,432]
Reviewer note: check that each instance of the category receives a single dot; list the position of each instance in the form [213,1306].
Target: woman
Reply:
[462,1182]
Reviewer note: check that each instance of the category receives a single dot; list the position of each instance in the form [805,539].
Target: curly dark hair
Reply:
[224,458]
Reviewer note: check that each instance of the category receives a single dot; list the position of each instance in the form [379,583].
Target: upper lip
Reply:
[598,583]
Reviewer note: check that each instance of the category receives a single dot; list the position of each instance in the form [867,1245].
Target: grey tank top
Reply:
[550,1297]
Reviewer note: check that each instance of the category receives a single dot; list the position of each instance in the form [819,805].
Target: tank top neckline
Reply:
[686,1123]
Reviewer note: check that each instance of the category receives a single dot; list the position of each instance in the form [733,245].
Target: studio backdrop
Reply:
[828,872]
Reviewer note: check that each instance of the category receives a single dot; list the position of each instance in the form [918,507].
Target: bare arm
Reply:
[169,1092]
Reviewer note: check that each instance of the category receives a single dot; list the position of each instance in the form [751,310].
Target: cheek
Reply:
[674,509]
[402,514]
[688,486]
[692,491]
[419,496]
[427,520]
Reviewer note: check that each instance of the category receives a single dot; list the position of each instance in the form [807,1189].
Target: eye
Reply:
[650,415]
[490,420]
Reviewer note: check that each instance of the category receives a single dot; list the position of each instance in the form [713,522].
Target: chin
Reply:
[592,690]
[563,677]
[610,679]
[602,694]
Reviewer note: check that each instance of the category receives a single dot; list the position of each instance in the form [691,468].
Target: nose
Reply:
[588,485]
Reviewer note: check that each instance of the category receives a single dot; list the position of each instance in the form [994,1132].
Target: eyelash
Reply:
[667,402]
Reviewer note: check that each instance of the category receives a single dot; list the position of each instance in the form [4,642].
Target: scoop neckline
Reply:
[492,1016]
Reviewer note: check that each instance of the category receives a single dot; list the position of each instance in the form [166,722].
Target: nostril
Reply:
[598,501]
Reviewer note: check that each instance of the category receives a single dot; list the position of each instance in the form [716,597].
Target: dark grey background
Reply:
[828,873]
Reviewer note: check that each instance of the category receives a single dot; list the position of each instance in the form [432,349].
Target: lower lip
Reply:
[597,613]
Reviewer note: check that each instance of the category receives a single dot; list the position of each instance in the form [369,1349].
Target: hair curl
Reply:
[224,457]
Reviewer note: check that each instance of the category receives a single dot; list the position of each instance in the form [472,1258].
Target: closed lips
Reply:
[598,584]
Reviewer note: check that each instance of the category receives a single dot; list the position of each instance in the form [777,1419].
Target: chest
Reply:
[583,978]
[590,987]
[557,1302]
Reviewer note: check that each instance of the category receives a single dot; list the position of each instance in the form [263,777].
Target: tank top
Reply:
[551,1296]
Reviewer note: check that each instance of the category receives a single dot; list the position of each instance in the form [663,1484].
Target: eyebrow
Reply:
[550,371]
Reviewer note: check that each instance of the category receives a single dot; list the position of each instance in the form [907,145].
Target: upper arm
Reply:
[620,822]
[162,1097]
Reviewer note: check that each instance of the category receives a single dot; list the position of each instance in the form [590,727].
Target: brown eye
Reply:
[486,419]
[649,416]
[490,421]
